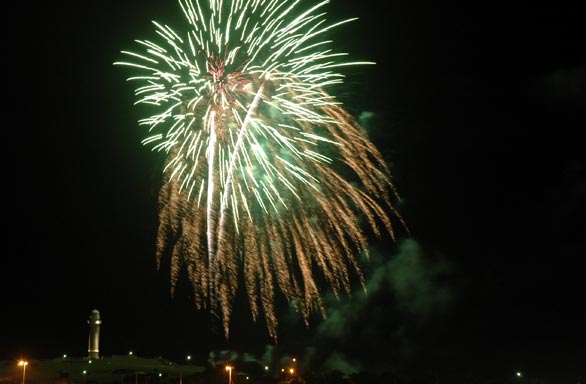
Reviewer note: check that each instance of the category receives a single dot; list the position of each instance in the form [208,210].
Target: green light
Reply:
[241,106]
[64,356]
[519,374]
[130,353]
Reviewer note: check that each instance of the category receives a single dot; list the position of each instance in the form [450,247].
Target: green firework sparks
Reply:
[252,136]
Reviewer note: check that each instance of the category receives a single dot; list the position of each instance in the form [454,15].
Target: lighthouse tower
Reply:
[94,337]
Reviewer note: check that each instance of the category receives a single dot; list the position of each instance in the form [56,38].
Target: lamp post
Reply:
[23,364]
[229,369]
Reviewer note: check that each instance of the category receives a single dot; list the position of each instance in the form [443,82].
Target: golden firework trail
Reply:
[254,145]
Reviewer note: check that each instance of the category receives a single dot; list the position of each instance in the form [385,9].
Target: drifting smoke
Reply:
[373,331]
[378,328]
[565,85]
[224,357]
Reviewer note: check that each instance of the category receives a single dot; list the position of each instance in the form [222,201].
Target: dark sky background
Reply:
[479,109]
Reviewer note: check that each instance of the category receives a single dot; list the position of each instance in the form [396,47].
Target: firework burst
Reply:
[252,141]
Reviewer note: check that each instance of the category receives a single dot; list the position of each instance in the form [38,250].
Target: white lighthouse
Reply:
[94,337]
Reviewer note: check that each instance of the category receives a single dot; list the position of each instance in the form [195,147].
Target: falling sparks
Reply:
[253,142]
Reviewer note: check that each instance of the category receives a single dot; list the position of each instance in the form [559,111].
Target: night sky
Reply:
[479,110]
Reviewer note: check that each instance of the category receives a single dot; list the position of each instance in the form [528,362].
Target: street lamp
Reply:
[23,364]
[229,369]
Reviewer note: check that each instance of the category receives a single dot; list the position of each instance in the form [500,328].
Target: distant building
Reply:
[93,348]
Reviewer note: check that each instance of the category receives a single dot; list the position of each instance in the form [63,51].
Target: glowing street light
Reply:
[229,369]
[519,374]
[23,364]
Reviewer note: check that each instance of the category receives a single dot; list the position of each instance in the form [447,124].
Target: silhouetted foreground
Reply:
[139,370]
